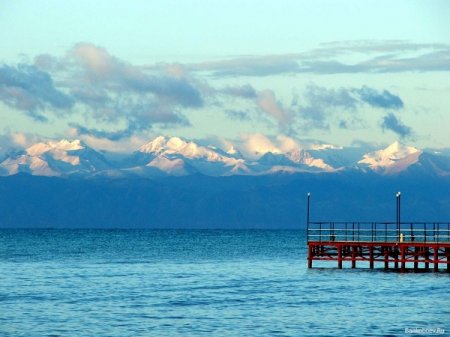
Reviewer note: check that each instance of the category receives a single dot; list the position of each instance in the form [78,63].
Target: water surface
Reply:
[201,283]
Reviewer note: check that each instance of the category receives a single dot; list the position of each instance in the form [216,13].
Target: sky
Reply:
[118,73]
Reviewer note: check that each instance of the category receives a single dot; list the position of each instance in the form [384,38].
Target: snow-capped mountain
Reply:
[188,149]
[174,156]
[175,167]
[180,157]
[55,159]
[298,160]
[393,159]
[399,158]
[303,157]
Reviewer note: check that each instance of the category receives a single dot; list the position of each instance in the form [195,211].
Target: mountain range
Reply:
[170,182]
[173,156]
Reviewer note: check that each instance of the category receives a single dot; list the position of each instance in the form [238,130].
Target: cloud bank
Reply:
[103,88]
[30,90]
[375,57]
[117,99]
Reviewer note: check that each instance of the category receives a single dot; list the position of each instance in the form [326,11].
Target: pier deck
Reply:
[395,245]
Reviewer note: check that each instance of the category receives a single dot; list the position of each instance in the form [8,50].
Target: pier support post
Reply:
[402,258]
[371,262]
[395,258]
[310,255]
[416,258]
[436,258]
[353,257]
[386,257]
[426,254]
[339,249]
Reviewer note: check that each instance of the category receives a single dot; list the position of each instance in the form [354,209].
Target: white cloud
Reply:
[20,139]
[287,144]
[128,144]
[268,103]
[255,145]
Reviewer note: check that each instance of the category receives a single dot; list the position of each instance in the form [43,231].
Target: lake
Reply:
[202,283]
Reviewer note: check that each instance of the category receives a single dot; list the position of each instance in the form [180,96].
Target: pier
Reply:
[401,246]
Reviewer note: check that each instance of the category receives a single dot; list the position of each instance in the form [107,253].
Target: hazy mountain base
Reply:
[198,201]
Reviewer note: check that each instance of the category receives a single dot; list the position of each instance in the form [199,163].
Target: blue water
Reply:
[201,283]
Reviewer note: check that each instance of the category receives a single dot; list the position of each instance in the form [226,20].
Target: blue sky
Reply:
[116,73]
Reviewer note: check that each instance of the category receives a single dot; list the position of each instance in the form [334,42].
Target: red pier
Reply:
[401,246]
[391,255]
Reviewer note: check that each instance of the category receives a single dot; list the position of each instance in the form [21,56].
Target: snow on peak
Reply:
[176,146]
[176,143]
[155,146]
[62,145]
[300,156]
[398,150]
[389,156]
[232,150]
[38,149]
[174,167]
[161,144]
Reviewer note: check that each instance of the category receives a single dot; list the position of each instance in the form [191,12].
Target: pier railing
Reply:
[378,231]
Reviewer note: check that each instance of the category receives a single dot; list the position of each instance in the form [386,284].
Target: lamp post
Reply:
[307,217]
[398,197]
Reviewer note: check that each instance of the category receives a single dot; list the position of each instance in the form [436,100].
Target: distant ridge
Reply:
[238,201]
